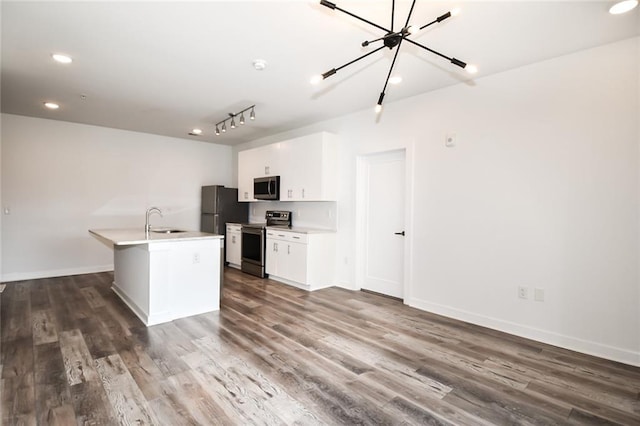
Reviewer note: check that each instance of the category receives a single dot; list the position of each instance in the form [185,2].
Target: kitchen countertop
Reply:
[300,230]
[133,236]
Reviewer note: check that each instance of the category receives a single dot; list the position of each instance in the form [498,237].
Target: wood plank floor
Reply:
[72,353]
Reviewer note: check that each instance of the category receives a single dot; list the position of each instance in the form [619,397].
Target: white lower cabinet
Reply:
[301,259]
[233,246]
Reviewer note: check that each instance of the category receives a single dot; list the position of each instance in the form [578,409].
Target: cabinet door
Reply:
[309,170]
[233,248]
[245,175]
[296,262]
[271,257]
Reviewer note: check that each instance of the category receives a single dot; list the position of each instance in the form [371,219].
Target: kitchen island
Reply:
[163,276]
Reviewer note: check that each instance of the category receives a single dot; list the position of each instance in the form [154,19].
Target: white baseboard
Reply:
[22,276]
[572,343]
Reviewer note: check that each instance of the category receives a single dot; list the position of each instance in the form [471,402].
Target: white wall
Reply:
[542,190]
[60,179]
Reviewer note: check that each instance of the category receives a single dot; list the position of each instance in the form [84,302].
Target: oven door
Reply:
[253,249]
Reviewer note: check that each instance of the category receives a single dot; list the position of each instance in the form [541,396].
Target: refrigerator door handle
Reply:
[215,223]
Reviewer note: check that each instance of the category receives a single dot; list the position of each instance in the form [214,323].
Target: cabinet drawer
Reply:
[295,237]
[234,228]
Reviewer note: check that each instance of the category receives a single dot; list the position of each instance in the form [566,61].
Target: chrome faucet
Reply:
[150,210]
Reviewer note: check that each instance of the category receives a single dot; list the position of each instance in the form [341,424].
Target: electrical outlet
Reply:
[523,292]
[450,140]
[196,257]
[538,294]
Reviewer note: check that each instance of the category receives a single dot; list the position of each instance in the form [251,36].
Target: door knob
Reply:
[399,233]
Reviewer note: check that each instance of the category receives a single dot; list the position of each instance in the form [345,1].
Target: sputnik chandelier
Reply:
[392,39]
[221,126]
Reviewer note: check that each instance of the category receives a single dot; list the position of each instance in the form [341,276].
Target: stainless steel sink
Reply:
[166,230]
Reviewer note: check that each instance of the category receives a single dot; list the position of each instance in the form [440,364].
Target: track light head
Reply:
[217,131]
[241,118]
[252,116]
[224,127]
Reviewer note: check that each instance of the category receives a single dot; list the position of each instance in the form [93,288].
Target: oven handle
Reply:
[253,231]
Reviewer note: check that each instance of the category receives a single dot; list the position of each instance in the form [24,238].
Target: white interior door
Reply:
[384,202]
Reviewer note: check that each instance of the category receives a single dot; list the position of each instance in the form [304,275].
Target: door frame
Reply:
[361,211]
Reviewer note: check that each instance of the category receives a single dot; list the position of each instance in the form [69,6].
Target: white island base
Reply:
[163,280]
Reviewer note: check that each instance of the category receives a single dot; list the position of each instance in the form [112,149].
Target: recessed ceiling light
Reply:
[260,64]
[396,79]
[51,105]
[196,132]
[63,59]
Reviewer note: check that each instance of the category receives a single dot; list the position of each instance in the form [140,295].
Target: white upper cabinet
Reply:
[253,163]
[306,166]
[245,175]
[311,168]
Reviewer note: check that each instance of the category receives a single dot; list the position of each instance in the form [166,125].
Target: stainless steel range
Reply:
[254,241]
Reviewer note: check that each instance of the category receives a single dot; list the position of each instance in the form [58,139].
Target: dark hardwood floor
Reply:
[72,353]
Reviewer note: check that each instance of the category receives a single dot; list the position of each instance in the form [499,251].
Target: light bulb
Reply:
[396,79]
[196,131]
[51,105]
[623,7]
[63,59]
[412,29]
[316,79]
[471,69]
[378,108]
[455,11]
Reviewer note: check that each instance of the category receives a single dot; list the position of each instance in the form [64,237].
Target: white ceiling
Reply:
[167,67]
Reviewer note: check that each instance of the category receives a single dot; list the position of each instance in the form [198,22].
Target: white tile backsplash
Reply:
[306,214]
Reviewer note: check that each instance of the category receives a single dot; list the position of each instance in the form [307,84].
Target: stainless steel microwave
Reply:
[266,188]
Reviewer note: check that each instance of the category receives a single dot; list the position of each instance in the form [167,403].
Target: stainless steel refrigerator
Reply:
[220,206]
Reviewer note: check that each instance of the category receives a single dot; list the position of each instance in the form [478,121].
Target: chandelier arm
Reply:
[386,82]
[331,5]
[393,9]
[428,49]
[406,24]
[368,42]
[361,57]
[438,19]
[429,24]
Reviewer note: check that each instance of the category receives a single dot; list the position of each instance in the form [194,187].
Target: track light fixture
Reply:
[390,40]
[221,126]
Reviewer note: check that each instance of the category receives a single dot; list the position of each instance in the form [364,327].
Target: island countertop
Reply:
[133,236]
